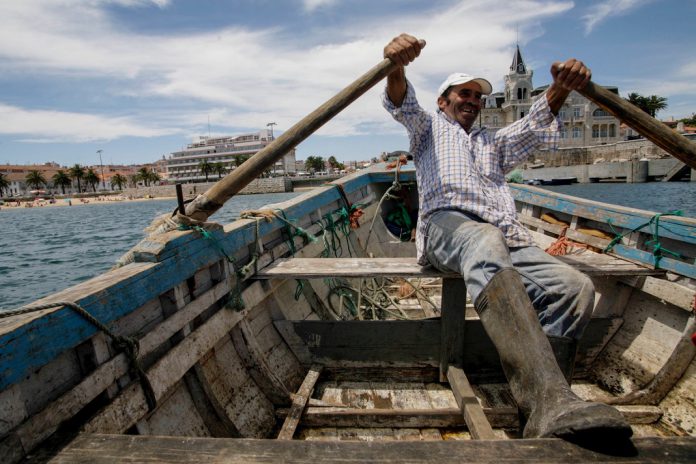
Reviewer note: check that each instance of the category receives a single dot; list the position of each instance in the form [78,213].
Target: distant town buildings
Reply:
[231,152]
[584,123]
[16,176]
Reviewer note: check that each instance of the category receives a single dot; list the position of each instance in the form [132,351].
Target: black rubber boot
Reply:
[565,349]
[546,402]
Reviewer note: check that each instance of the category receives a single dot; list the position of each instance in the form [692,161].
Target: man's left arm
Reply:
[517,142]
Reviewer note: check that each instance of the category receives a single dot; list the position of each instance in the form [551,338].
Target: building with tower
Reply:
[584,123]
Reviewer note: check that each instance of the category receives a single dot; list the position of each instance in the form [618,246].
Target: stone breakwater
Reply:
[619,151]
[265,185]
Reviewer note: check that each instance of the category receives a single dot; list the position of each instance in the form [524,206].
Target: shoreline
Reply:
[70,202]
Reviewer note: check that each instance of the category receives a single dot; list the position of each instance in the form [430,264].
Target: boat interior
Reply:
[307,331]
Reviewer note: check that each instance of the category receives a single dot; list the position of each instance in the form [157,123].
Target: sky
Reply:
[139,79]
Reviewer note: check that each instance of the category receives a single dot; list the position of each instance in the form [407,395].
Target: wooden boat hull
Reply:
[219,370]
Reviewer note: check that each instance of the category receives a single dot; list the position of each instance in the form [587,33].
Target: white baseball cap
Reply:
[463,78]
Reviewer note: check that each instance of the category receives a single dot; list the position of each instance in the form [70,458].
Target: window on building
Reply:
[595,131]
[562,115]
[521,114]
[599,113]
[603,130]
[577,132]
[577,112]
[612,130]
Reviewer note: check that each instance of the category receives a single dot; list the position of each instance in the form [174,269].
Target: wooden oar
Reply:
[673,143]
[206,204]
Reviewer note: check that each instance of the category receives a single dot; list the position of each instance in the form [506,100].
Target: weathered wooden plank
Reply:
[479,427]
[671,292]
[299,402]
[97,449]
[588,262]
[130,405]
[44,423]
[679,228]
[409,342]
[315,268]
[343,344]
[257,365]
[453,314]
[498,417]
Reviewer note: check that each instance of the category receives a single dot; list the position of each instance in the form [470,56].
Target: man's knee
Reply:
[580,285]
[489,240]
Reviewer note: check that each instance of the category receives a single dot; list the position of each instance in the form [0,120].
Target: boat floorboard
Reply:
[89,448]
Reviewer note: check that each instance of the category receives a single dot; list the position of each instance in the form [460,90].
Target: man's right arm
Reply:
[402,50]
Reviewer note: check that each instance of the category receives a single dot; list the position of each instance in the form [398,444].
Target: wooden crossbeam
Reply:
[371,344]
[476,421]
[299,401]
[99,449]
[498,417]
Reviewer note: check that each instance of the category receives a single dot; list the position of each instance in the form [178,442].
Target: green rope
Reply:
[658,250]
[235,302]
[128,345]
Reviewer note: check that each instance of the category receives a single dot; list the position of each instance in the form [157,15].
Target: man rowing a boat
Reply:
[468,224]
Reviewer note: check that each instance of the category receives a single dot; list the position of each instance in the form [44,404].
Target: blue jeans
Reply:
[562,296]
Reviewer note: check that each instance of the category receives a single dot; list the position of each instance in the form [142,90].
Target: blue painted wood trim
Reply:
[35,343]
[680,229]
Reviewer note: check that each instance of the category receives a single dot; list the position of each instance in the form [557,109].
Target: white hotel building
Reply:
[183,166]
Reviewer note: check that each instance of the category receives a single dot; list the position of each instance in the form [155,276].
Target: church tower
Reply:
[518,89]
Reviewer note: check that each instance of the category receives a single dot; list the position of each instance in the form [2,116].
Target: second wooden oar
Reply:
[206,204]
[673,143]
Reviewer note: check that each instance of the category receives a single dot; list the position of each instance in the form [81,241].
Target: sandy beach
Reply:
[52,203]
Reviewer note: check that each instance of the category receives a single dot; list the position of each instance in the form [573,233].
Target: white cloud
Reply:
[60,126]
[602,11]
[311,5]
[257,75]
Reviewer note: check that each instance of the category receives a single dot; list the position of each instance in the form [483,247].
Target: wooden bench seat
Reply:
[141,448]
[589,262]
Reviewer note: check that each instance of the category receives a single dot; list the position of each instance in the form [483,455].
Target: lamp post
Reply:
[101,166]
[271,124]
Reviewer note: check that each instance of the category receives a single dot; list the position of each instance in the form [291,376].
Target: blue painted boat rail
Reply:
[29,341]
[619,219]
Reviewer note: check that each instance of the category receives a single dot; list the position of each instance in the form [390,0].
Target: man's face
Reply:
[463,103]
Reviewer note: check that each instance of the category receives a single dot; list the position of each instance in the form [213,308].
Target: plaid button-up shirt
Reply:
[466,172]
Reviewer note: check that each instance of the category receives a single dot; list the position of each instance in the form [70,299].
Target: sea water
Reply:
[44,250]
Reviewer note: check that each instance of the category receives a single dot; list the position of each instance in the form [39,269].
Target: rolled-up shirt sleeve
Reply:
[411,115]
[539,129]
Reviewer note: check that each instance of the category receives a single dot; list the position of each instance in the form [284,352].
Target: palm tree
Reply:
[119,181]
[35,179]
[133,180]
[154,177]
[144,175]
[335,164]
[92,179]
[4,183]
[77,172]
[314,163]
[205,168]
[650,105]
[61,179]
[239,160]
[219,169]
[656,103]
